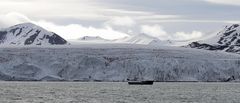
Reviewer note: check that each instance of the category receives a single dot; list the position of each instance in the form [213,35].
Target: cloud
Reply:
[110,31]
[75,31]
[226,2]
[50,9]
[187,36]
[85,10]
[12,18]
[158,17]
[154,31]
[121,21]
[71,31]
[159,32]
[193,21]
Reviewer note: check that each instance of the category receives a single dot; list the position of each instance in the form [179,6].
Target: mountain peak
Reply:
[226,40]
[139,39]
[233,26]
[92,38]
[29,34]
[26,24]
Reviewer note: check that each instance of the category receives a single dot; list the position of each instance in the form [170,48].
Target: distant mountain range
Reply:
[226,40]
[29,34]
[140,39]
[133,39]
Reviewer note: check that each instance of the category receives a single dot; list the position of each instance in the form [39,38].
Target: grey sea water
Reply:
[85,92]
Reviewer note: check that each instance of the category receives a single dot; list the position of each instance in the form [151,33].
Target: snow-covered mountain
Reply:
[93,38]
[139,39]
[227,40]
[115,62]
[29,34]
[144,39]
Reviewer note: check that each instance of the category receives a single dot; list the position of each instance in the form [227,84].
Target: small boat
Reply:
[140,82]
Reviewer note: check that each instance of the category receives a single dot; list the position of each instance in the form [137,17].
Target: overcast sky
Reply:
[112,19]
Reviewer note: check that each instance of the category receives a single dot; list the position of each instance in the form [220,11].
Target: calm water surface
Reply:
[68,92]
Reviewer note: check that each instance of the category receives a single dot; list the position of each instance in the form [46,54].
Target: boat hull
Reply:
[140,82]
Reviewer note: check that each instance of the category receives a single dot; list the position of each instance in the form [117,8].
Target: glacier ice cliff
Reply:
[117,64]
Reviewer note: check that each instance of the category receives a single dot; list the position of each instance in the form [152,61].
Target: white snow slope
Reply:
[115,62]
[92,38]
[144,39]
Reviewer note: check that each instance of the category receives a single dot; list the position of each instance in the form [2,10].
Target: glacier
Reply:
[116,63]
